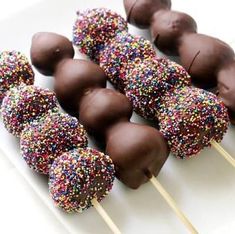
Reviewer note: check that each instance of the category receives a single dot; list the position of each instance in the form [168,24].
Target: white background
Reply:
[203,187]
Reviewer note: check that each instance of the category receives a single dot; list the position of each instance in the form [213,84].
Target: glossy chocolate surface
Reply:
[138,151]
[203,56]
[55,48]
[226,88]
[140,12]
[175,33]
[168,27]
[74,79]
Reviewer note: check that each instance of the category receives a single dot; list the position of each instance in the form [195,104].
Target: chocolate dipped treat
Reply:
[138,152]
[52,142]
[102,34]
[70,91]
[205,59]
[105,113]
[135,9]
[175,33]
[79,176]
[15,70]
[168,27]
[24,104]
[105,109]
[188,122]
[52,58]
[47,138]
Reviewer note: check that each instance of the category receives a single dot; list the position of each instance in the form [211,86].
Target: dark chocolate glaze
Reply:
[102,108]
[167,29]
[140,12]
[138,151]
[204,59]
[134,148]
[45,59]
[208,60]
[226,88]
[75,79]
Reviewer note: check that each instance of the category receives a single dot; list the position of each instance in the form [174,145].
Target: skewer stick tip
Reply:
[105,216]
[223,153]
[173,205]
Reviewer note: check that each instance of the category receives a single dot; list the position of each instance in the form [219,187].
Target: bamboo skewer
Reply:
[223,153]
[105,217]
[173,205]
[95,203]
[39,194]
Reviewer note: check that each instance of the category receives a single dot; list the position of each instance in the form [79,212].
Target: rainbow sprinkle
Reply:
[24,104]
[122,51]
[190,118]
[44,140]
[14,70]
[50,140]
[93,28]
[158,88]
[147,82]
[78,176]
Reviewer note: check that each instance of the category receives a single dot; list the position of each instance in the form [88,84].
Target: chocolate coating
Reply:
[175,33]
[137,151]
[90,32]
[168,27]
[15,70]
[190,118]
[79,176]
[136,8]
[103,108]
[122,50]
[80,88]
[148,82]
[45,139]
[55,47]
[74,79]
[226,88]
[24,104]
[203,56]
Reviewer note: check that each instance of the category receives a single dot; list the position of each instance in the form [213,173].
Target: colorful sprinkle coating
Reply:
[44,140]
[148,81]
[24,104]
[176,75]
[190,118]
[121,51]
[78,176]
[14,70]
[93,28]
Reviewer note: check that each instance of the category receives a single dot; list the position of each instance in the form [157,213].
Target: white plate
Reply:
[203,187]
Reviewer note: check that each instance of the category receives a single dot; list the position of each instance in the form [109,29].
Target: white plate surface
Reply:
[203,187]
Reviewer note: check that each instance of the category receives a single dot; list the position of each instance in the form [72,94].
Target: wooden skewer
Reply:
[105,217]
[173,205]
[95,203]
[38,192]
[223,153]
